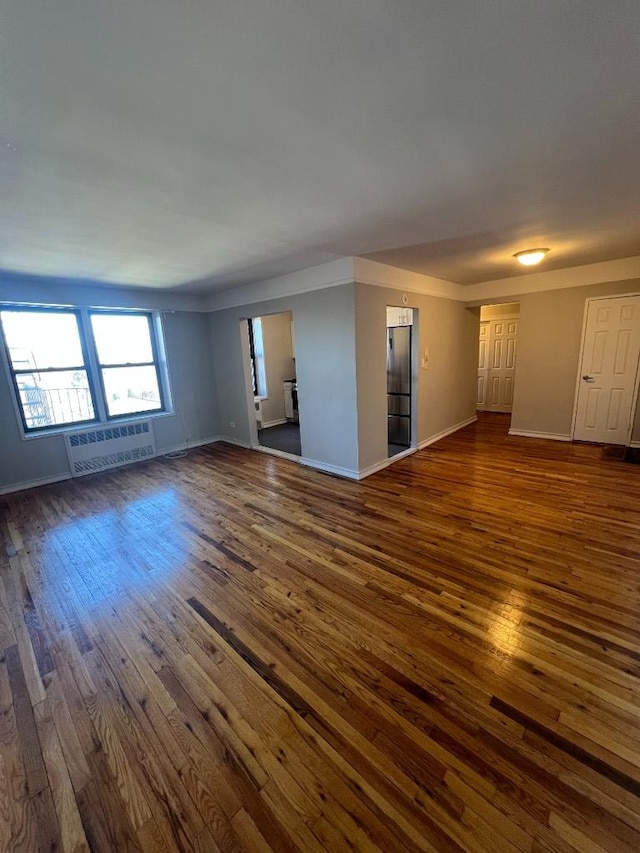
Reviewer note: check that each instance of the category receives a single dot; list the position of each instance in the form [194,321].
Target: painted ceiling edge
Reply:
[376,274]
[372,272]
[25,290]
[20,289]
[537,282]
[330,274]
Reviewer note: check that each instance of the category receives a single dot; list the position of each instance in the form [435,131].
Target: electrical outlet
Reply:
[232,424]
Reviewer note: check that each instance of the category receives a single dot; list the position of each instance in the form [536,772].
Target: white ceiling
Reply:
[201,143]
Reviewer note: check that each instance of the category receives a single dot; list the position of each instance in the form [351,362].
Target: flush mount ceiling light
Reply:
[530,257]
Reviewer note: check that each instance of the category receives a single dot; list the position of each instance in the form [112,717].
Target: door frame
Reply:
[243,328]
[415,352]
[489,321]
[583,339]
[254,438]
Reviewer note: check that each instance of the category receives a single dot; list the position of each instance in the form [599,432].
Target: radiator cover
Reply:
[109,446]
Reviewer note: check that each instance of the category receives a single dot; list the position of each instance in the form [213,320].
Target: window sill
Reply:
[113,422]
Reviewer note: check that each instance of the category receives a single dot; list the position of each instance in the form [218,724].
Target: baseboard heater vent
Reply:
[108,447]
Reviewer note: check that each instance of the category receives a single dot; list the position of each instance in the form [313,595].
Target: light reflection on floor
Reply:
[90,547]
[506,629]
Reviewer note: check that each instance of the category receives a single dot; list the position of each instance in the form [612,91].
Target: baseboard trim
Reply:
[445,432]
[32,484]
[59,478]
[385,463]
[327,468]
[273,451]
[553,436]
[188,445]
[373,469]
[278,422]
[230,440]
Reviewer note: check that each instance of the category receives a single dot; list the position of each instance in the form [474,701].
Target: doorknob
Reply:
[588,378]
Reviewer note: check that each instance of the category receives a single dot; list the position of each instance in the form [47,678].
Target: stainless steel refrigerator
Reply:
[399,385]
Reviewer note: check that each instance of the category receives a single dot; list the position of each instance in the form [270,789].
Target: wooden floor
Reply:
[233,652]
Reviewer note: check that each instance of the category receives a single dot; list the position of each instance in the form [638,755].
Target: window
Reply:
[127,362]
[48,363]
[256,352]
[74,366]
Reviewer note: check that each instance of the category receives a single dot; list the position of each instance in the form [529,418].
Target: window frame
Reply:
[252,357]
[13,373]
[156,363]
[91,367]
[257,359]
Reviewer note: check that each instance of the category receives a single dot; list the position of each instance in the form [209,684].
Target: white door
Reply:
[483,364]
[497,364]
[608,370]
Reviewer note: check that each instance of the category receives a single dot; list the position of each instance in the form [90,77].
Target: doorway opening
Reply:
[497,357]
[400,380]
[274,384]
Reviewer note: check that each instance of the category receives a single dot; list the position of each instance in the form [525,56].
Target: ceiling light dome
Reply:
[530,257]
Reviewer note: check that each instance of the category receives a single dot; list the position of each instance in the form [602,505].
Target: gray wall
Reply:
[279,363]
[549,337]
[446,389]
[325,368]
[41,290]
[191,377]
[188,349]
[24,461]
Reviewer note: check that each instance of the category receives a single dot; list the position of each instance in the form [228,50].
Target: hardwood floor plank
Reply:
[248,834]
[617,776]
[7,634]
[220,546]
[30,746]
[72,838]
[104,820]
[29,667]
[46,822]
[230,652]
[18,830]
[70,745]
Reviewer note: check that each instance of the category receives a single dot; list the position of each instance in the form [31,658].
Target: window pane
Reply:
[37,340]
[259,360]
[122,338]
[53,399]
[129,390]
